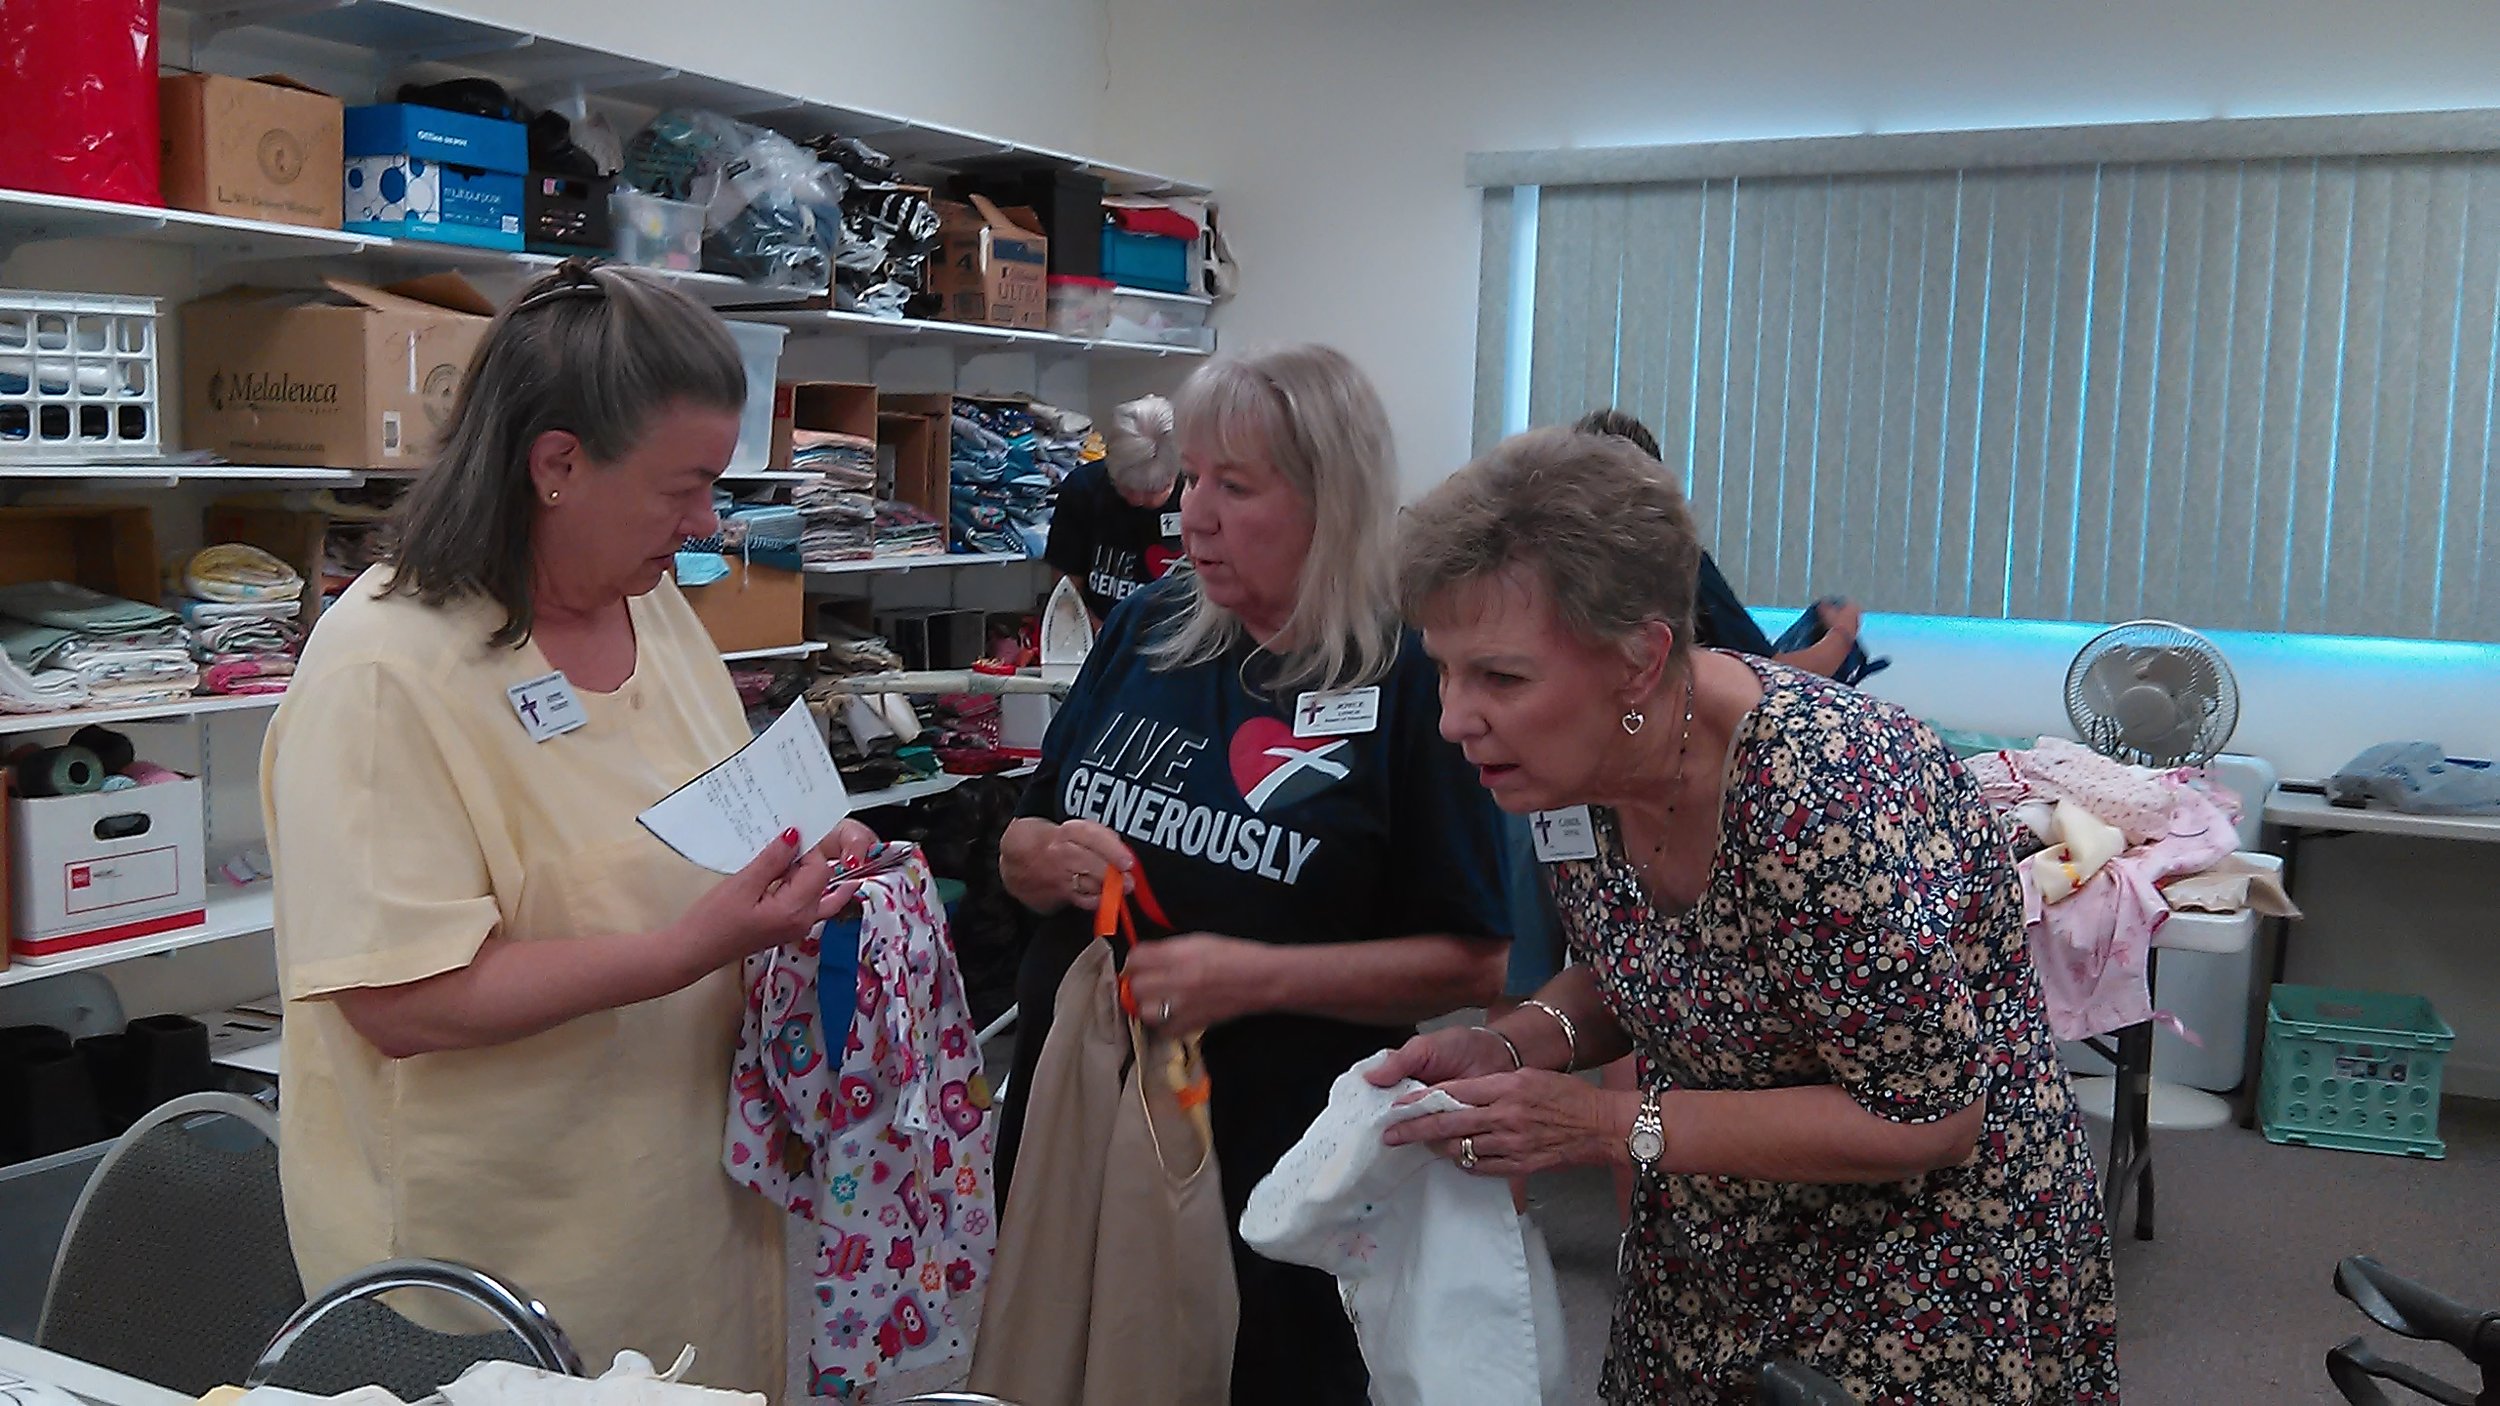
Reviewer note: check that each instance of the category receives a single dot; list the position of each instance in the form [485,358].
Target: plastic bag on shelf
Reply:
[78,80]
[773,210]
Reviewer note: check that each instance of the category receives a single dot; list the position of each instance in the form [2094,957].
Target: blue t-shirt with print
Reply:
[1244,829]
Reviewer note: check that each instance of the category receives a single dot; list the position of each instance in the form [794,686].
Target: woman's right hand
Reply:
[1459,1052]
[1053,866]
[778,898]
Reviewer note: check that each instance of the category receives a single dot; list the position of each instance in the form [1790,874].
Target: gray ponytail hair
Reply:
[1142,454]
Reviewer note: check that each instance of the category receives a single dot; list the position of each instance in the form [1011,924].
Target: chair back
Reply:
[175,1266]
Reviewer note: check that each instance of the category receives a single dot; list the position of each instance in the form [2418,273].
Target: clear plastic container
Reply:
[759,347]
[1163,320]
[657,233]
[1080,307]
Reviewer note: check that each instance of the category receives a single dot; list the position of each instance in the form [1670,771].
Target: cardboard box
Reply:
[756,607]
[106,867]
[996,266]
[349,377]
[422,173]
[918,431]
[108,549]
[253,148]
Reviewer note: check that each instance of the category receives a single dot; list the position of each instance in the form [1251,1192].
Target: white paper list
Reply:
[782,780]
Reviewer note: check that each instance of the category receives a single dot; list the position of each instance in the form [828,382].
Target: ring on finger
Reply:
[1164,1015]
[1467,1154]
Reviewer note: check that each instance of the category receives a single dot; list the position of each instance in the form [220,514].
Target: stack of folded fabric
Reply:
[1069,441]
[847,461]
[122,652]
[759,534]
[353,540]
[242,605]
[1002,494]
[24,690]
[905,531]
[838,525]
[869,734]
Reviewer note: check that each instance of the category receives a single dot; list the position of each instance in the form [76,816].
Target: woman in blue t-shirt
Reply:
[1260,737]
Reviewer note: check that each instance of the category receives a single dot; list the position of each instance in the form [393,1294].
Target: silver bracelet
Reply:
[1571,1032]
[1518,1061]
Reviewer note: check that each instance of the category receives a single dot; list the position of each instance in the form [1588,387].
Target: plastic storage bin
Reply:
[1154,261]
[1158,319]
[655,232]
[2357,1070]
[1080,307]
[77,377]
[759,346]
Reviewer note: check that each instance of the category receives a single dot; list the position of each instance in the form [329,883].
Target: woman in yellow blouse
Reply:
[510,1011]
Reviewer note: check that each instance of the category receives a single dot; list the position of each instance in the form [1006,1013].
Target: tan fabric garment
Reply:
[411,815]
[1114,1284]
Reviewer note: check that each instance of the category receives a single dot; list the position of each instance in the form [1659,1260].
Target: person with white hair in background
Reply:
[1117,527]
[1256,739]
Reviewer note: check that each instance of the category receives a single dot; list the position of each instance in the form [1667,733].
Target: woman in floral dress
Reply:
[1854,1143]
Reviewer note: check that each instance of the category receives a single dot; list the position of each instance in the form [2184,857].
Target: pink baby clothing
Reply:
[881,1135]
[2091,948]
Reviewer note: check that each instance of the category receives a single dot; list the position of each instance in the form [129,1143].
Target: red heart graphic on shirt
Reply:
[1275,768]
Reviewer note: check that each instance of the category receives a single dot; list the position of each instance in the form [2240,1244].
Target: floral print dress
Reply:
[1861,925]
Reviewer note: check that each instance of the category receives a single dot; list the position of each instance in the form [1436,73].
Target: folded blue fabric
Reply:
[701,568]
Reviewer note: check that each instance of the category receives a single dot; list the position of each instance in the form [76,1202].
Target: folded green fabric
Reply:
[31,646]
[73,607]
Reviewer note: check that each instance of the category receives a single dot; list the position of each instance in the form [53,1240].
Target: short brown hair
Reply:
[595,351]
[1599,522]
[1617,423]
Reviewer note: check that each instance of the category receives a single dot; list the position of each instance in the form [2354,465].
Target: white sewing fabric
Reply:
[1450,1289]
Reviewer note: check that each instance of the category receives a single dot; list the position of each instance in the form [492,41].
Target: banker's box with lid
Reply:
[347,376]
[422,173]
[104,867]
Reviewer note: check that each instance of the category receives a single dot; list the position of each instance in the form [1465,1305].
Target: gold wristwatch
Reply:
[1648,1141]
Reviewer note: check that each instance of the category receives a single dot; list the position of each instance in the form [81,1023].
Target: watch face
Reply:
[1647,1144]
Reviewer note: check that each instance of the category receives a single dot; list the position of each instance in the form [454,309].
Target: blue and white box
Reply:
[423,173]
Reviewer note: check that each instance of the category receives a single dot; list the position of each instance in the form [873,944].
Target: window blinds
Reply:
[2243,393]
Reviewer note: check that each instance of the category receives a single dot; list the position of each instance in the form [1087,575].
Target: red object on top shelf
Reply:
[78,87]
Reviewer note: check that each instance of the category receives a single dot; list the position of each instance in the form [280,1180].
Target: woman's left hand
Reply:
[1520,1123]
[1186,983]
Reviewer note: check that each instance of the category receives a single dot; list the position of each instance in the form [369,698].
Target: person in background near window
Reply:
[1334,880]
[1720,620]
[1117,528]
[1855,1143]
[510,1011]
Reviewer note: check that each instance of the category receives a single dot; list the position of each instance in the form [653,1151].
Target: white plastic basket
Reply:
[78,377]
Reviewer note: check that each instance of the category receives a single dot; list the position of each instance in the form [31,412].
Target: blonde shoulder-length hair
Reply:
[1311,415]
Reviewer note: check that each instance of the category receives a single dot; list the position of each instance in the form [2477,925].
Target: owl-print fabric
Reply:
[879,1133]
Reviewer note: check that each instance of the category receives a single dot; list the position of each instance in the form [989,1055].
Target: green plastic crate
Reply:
[2357,1070]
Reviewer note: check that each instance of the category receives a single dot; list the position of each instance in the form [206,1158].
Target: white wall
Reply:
[1337,129]
[1032,70]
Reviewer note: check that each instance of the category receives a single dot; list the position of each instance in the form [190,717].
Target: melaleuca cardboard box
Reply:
[346,376]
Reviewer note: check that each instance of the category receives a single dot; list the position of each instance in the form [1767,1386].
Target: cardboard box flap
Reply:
[434,293]
[1005,222]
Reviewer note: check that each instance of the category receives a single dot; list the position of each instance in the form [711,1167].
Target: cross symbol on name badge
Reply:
[1311,708]
[1544,828]
[529,709]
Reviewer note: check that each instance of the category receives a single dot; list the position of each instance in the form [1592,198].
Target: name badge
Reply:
[546,707]
[1563,834]
[1171,524]
[1340,714]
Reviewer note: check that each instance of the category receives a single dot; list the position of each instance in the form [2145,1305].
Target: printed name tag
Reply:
[1171,524]
[1341,714]
[546,706]
[1568,833]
